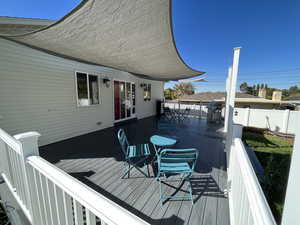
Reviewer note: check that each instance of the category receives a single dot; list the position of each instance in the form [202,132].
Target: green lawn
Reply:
[261,142]
[274,154]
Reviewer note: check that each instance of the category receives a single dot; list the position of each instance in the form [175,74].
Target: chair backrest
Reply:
[189,155]
[123,141]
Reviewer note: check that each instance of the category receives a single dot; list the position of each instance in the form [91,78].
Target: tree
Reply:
[244,87]
[294,89]
[184,89]
[254,91]
[257,87]
[169,94]
[266,86]
[285,94]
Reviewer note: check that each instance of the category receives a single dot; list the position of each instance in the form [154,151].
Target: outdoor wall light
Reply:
[106,81]
[143,85]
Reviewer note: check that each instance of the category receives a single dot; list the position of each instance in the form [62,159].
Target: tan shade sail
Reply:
[192,80]
[130,35]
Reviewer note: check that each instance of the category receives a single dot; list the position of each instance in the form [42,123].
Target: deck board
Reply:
[101,169]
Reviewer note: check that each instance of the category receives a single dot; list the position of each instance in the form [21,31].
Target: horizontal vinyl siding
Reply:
[37,93]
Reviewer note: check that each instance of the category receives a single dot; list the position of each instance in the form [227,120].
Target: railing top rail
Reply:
[10,141]
[102,207]
[254,191]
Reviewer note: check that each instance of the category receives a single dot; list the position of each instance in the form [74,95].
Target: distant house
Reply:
[242,100]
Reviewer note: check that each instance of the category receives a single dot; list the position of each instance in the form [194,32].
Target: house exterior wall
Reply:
[38,93]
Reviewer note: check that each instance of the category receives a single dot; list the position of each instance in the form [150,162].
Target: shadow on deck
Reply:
[96,160]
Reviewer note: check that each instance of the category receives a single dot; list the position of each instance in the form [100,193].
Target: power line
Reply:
[259,72]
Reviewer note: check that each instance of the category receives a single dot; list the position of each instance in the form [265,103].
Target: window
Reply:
[87,89]
[147,92]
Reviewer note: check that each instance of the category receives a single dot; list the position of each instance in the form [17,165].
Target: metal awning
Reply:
[130,35]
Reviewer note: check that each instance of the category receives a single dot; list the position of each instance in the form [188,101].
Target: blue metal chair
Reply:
[169,114]
[134,154]
[176,162]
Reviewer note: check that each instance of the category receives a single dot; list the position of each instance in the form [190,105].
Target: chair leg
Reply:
[160,192]
[148,169]
[132,165]
[190,187]
[191,192]
[128,170]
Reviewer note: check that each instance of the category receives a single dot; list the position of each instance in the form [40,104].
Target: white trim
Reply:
[106,210]
[124,119]
[17,198]
[88,88]
[133,115]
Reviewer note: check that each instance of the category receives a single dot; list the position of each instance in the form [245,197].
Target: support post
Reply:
[237,131]
[228,88]
[29,142]
[231,100]
[292,198]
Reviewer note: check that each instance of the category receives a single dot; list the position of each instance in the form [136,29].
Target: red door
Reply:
[117,99]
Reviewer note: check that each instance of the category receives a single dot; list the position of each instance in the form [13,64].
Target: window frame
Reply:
[147,95]
[88,88]
[133,115]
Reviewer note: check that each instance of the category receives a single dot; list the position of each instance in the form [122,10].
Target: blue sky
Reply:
[206,31]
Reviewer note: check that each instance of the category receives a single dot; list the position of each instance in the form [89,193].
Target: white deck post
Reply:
[237,131]
[228,88]
[29,142]
[292,197]
[233,81]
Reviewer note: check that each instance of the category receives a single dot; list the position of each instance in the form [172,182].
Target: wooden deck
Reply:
[96,160]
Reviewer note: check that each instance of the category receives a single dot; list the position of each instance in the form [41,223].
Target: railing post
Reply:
[247,116]
[228,89]
[292,198]
[4,161]
[231,100]
[286,121]
[29,142]
[237,131]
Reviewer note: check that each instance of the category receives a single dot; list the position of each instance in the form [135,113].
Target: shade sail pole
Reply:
[228,82]
[232,87]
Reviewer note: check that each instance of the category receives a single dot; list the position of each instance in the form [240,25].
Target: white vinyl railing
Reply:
[48,195]
[13,170]
[284,121]
[247,202]
[197,109]
[62,199]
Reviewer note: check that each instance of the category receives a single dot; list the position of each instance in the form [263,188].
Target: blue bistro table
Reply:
[160,142]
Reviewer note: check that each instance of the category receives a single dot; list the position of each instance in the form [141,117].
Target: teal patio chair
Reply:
[134,154]
[176,162]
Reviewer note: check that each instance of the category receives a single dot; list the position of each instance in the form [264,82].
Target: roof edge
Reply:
[25,21]
[80,5]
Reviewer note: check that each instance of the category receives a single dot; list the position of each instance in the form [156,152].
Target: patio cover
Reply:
[130,35]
